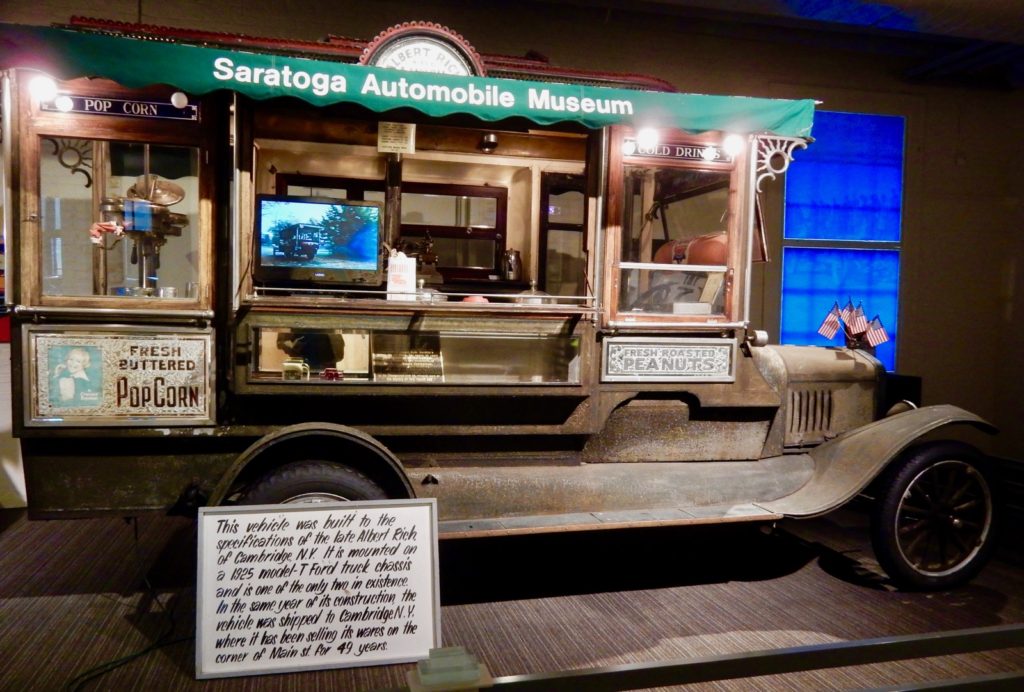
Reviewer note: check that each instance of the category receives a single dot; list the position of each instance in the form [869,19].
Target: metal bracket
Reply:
[774,154]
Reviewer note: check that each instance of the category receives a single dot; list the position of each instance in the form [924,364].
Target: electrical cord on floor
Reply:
[79,681]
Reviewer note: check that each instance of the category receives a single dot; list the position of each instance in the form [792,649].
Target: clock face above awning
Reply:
[66,54]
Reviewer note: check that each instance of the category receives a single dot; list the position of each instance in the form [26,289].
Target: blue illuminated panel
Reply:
[877,15]
[848,184]
[813,279]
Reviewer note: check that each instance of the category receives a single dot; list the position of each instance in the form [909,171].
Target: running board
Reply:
[600,521]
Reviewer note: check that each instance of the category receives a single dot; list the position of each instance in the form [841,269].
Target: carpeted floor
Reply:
[76,595]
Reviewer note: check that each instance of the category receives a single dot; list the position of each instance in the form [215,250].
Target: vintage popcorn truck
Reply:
[257,271]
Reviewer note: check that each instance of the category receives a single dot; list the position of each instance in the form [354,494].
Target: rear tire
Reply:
[311,482]
[933,524]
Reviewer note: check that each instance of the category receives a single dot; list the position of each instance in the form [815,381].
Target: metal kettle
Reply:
[512,265]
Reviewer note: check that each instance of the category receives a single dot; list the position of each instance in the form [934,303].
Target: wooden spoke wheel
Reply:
[934,520]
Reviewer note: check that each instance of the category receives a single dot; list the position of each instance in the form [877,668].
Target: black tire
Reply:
[934,519]
[311,482]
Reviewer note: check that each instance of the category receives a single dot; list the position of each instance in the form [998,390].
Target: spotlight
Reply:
[43,88]
[733,144]
[647,138]
[64,103]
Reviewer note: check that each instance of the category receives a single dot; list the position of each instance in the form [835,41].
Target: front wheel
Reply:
[311,482]
[933,525]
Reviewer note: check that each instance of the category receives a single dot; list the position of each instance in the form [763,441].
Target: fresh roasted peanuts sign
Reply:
[103,377]
[638,359]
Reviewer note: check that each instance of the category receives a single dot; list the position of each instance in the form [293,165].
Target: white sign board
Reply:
[286,588]
[396,138]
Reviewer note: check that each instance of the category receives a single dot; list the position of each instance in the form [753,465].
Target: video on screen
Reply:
[327,235]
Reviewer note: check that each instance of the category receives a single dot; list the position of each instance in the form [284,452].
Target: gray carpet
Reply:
[78,594]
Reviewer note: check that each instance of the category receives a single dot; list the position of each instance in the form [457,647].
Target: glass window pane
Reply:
[700,214]
[147,199]
[306,191]
[667,208]
[566,207]
[298,353]
[564,263]
[509,359]
[469,253]
[848,185]
[677,293]
[449,210]
[814,279]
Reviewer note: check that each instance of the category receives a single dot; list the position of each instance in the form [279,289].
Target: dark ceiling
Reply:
[977,43]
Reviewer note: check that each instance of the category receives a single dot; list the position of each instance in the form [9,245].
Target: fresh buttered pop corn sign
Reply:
[110,376]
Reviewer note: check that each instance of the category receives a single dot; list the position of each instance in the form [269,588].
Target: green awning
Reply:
[66,54]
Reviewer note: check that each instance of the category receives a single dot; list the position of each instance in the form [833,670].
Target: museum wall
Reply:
[961,284]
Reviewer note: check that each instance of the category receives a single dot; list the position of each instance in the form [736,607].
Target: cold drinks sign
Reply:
[301,587]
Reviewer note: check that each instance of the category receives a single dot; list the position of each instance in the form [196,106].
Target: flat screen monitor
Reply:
[317,242]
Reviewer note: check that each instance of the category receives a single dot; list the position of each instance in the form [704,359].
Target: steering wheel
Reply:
[649,300]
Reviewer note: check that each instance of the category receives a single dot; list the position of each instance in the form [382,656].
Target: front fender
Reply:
[332,434]
[844,466]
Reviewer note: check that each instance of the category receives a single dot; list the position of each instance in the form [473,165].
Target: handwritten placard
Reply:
[302,587]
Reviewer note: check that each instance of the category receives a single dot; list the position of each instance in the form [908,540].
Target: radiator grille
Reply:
[810,413]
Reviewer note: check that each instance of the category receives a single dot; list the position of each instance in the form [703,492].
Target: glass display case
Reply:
[438,350]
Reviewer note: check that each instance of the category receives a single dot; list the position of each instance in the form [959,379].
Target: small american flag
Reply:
[847,312]
[857,323]
[830,325]
[876,332]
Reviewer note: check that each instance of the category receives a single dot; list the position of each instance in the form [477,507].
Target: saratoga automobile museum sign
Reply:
[199,70]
